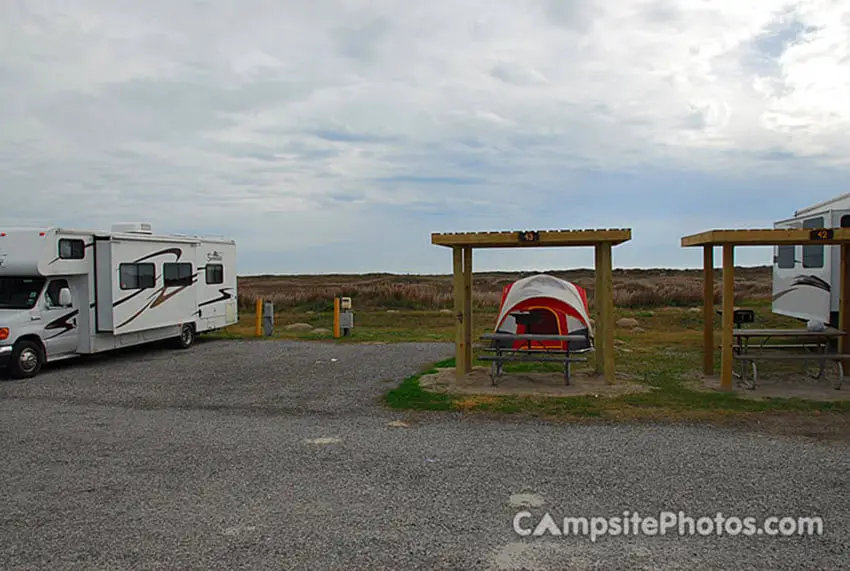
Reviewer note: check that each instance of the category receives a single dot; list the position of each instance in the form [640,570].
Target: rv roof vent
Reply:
[133,228]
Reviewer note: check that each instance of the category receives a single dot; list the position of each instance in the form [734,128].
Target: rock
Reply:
[639,330]
[309,312]
[320,331]
[695,310]
[449,311]
[392,311]
[627,322]
[299,327]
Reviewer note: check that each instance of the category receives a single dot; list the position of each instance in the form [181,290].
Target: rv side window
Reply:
[177,274]
[71,249]
[137,276]
[215,274]
[785,257]
[813,254]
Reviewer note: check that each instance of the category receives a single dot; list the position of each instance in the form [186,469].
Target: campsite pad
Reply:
[776,384]
[529,384]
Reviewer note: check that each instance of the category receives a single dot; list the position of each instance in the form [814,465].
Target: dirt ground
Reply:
[780,384]
[529,384]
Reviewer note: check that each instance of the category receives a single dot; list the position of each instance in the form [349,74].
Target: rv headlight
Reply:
[4,333]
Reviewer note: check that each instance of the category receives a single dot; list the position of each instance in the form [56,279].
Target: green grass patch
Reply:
[410,395]
[668,399]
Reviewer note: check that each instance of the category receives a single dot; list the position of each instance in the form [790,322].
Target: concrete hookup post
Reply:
[268,318]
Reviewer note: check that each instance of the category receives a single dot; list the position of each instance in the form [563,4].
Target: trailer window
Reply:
[177,274]
[71,249]
[215,273]
[137,276]
[785,257]
[813,254]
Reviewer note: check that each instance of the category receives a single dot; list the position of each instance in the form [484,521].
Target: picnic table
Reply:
[503,350]
[774,346]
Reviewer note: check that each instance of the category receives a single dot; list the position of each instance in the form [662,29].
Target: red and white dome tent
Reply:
[546,305]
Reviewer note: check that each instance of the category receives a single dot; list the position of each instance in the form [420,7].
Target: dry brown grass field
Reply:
[632,288]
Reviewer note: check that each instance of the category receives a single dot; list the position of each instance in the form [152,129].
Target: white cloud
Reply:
[321,115]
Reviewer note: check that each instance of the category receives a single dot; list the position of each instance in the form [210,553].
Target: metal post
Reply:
[268,318]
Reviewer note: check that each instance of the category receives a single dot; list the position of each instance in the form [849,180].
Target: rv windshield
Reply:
[19,293]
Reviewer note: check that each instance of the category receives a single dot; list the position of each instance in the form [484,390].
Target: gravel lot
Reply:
[269,455]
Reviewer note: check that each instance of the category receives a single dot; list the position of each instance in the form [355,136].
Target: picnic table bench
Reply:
[502,350]
[811,346]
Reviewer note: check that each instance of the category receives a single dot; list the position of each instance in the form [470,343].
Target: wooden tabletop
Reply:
[829,332]
[531,337]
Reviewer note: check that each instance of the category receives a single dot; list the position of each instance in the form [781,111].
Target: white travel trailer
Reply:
[804,277]
[68,292]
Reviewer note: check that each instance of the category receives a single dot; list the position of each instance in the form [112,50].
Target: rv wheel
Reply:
[187,336]
[27,359]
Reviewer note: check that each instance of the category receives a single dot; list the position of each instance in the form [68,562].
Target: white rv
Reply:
[805,278]
[67,292]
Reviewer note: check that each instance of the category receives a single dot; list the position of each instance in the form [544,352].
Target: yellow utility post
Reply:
[336,318]
[259,316]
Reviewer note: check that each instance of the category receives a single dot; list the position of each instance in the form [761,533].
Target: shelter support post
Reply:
[844,303]
[708,311]
[605,312]
[598,312]
[460,302]
[728,317]
[467,308]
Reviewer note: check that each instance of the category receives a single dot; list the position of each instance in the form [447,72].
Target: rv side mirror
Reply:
[65,297]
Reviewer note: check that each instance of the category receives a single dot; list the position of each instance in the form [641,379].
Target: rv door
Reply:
[59,314]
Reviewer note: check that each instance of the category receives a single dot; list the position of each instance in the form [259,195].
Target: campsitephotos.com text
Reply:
[527,524]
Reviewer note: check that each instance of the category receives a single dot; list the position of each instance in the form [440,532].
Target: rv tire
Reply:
[27,359]
[187,336]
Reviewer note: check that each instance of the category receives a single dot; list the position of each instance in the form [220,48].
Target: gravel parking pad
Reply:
[263,454]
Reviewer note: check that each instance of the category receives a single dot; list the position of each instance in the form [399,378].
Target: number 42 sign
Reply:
[822,234]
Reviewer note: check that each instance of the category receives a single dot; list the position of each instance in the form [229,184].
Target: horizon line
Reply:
[376,273]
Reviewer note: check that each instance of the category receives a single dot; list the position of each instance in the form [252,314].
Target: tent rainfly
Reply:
[557,307]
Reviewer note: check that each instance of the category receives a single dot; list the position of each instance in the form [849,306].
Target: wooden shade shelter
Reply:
[728,239]
[462,245]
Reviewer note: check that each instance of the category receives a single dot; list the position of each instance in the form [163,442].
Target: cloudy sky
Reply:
[336,135]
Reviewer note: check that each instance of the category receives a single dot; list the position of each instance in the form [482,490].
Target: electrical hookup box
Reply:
[345,316]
